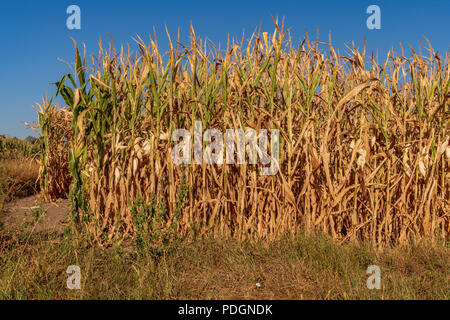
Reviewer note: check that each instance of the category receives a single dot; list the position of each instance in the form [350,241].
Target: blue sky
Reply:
[33,34]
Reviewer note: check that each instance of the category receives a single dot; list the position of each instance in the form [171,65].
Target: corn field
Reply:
[13,148]
[364,148]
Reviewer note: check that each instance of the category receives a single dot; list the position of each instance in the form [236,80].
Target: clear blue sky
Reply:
[33,34]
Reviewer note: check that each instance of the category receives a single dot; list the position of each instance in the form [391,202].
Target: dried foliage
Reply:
[364,145]
[19,168]
[56,139]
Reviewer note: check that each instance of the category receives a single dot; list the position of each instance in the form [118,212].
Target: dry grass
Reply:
[364,144]
[21,176]
[34,267]
[19,169]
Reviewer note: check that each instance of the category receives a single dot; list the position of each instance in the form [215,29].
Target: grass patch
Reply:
[34,267]
[19,169]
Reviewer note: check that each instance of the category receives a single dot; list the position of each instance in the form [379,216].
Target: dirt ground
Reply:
[32,212]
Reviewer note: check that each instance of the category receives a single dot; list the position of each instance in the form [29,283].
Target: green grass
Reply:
[32,266]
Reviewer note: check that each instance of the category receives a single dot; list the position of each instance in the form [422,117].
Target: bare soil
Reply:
[32,212]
